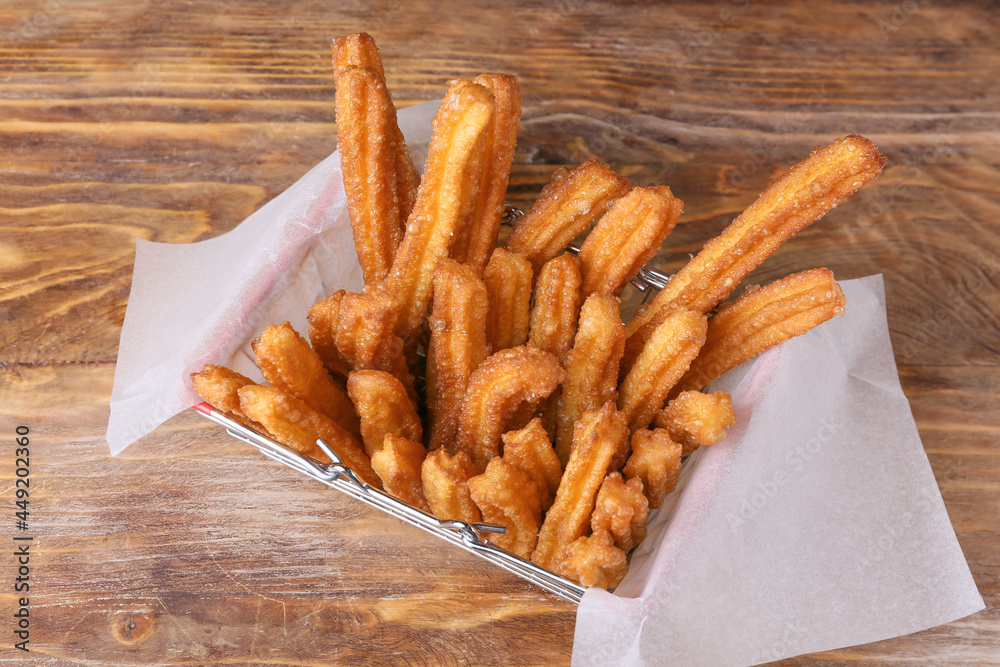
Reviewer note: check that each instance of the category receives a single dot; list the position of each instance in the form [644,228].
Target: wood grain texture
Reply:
[172,121]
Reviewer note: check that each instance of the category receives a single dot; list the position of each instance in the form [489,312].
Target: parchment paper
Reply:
[816,524]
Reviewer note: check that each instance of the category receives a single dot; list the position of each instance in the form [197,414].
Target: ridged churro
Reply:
[508,284]
[656,460]
[507,497]
[626,237]
[501,383]
[591,367]
[566,208]
[446,486]
[220,386]
[696,420]
[529,450]
[444,199]
[763,318]
[621,510]
[476,239]
[557,306]
[383,407]
[323,318]
[458,346]
[397,464]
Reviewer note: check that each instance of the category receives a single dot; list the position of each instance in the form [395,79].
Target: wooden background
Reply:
[172,121]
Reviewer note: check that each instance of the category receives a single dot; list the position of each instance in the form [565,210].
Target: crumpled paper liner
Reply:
[816,524]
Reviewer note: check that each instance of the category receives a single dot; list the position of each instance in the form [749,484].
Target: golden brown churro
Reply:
[384,407]
[621,509]
[598,437]
[500,384]
[626,237]
[458,343]
[507,497]
[665,357]
[219,386]
[695,419]
[529,449]
[444,199]
[446,486]
[398,463]
[557,306]
[323,318]
[591,367]
[566,208]
[656,460]
[288,363]
[801,196]
[593,560]
[508,284]
[763,318]
[293,423]
[476,240]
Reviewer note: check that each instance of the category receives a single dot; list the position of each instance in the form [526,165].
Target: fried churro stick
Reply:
[801,196]
[323,317]
[398,463]
[495,390]
[656,460]
[444,199]
[365,338]
[219,386]
[288,363]
[557,306]
[508,283]
[598,437]
[665,357]
[507,497]
[566,208]
[593,561]
[384,407]
[446,486]
[621,510]
[763,318]
[293,423]
[365,122]
[695,419]
[359,50]
[626,237]
[478,237]
[591,367]
[458,345]
[529,450]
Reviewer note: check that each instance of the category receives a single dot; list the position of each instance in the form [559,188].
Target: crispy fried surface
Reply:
[666,356]
[288,363]
[293,423]
[621,509]
[656,460]
[592,561]
[397,184]
[365,131]
[398,463]
[219,385]
[695,419]
[801,196]
[508,285]
[529,450]
[495,390]
[566,208]
[323,317]
[626,237]
[507,497]
[598,436]
[458,345]
[478,237]
[557,306]
[763,318]
[384,407]
[446,486]
[444,200]
[365,338]
[591,367]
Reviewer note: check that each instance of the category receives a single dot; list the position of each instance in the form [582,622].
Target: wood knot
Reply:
[132,628]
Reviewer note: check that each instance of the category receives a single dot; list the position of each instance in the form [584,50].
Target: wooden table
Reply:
[172,121]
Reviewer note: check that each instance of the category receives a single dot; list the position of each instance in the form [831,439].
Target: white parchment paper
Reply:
[816,524]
